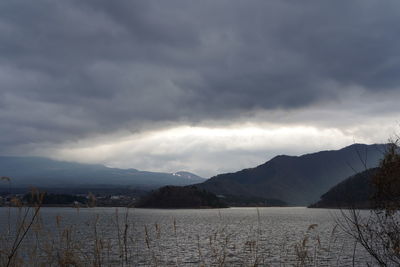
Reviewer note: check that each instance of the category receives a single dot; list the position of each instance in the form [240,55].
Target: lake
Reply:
[152,237]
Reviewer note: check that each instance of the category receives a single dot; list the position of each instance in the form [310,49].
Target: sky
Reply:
[207,86]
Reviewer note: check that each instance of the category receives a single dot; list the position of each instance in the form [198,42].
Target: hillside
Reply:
[180,197]
[355,191]
[297,180]
[43,172]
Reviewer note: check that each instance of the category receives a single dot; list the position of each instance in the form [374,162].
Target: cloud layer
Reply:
[72,71]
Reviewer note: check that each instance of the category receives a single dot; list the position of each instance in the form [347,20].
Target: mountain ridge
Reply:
[40,171]
[298,180]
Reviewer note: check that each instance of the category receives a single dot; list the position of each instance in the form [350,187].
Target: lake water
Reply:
[234,236]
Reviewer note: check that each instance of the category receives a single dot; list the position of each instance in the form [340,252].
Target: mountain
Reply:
[188,176]
[355,191]
[43,172]
[297,180]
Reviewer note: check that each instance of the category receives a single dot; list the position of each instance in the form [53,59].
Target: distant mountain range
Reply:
[297,180]
[43,172]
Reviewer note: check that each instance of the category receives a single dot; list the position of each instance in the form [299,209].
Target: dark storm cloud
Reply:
[69,69]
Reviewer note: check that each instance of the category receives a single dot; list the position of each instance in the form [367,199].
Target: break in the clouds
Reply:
[206,86]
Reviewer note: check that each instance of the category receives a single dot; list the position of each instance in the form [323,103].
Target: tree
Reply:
[378,230]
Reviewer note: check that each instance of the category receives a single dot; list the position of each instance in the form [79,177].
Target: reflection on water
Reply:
[235,236]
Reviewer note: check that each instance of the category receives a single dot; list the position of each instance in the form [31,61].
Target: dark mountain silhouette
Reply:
[297,180]
[43,172]
[354,192]
[180,197]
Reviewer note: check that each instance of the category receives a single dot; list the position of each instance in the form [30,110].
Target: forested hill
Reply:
[355,191]
[181,197]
